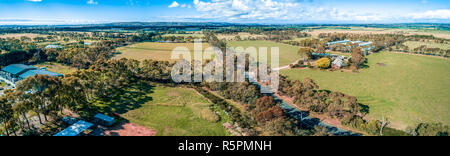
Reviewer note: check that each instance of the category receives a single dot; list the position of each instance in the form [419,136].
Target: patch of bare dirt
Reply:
[129,129]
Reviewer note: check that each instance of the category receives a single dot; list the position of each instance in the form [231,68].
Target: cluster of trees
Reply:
[313,43]
[46,96]
[16,56]
[212,39]
[358,58]
[373,127]
[423,49]
[387,41]
[280,35]
[180,39]
[234,113]
[11,44]
[430,129]
[381,41]
[307,95]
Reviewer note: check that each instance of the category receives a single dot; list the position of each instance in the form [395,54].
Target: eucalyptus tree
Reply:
[6,114]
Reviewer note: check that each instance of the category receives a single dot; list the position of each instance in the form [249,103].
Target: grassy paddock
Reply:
[168,110]
[288,53]
[153,50]
[408,90]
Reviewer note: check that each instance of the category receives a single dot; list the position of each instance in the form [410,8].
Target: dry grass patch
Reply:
[154,50]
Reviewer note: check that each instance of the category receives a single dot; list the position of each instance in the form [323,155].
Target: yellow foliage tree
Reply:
[323,63]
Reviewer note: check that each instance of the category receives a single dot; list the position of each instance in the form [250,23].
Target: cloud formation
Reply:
[174,4]
[299,11]
[433,14]
[92,2]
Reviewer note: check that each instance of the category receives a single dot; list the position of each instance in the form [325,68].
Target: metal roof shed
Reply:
[17,68]
[104,120]
[75,129]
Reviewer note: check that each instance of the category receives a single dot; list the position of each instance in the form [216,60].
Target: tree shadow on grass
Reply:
[365,64]
[365,109]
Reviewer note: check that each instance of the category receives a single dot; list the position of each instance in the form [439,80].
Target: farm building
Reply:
[320,55]
[76,129]
[339,62]
[336,42]
[17,72]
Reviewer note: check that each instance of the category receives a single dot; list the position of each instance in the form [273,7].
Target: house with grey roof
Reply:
[339,62]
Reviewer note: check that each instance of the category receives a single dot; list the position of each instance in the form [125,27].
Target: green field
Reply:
[154,50]
[408,90]
[414,44]
[288,53]
[168,110]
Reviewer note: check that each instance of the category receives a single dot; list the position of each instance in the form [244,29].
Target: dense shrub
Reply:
[430,129]
[323,63]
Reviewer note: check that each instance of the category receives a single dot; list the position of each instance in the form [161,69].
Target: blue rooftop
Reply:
[104,118]
[75,129]
[52,46]
[38,72]
[17,68]
[366,44]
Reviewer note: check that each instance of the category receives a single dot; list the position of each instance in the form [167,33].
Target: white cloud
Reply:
[297,11]
[92,2]
[34,0]
[276,10]
[433,14]
[174,4]
[248,9]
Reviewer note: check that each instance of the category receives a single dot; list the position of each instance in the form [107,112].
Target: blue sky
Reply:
[236,11]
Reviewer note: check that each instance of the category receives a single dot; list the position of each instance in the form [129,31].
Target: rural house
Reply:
[339,62]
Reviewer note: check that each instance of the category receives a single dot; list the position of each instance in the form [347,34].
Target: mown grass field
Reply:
[288,53]
[57,67]
[408,90]
[154,50]
[168,110]
[414,44]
